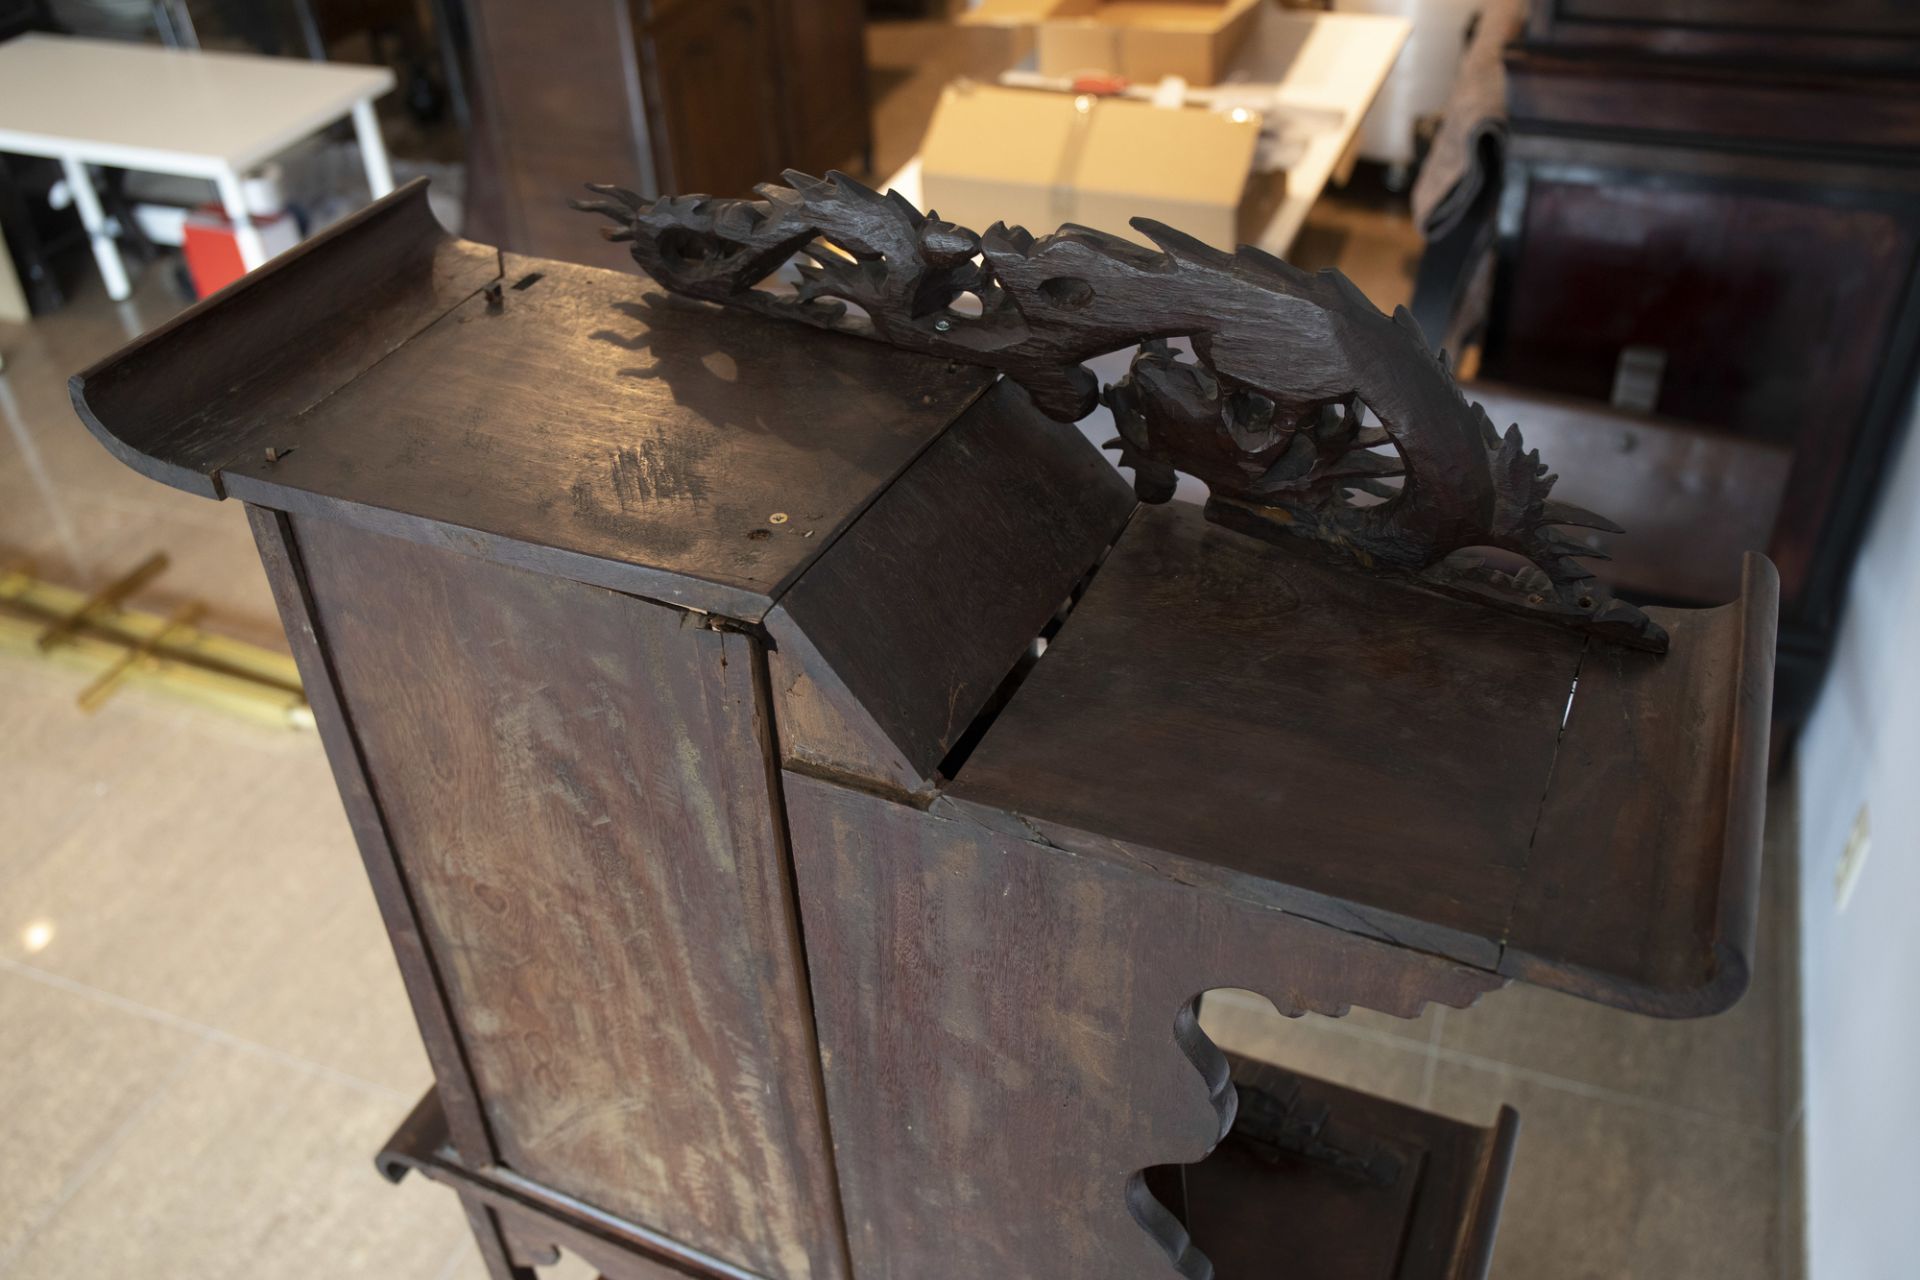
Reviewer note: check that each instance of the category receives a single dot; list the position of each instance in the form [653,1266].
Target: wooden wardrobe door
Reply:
[713,89]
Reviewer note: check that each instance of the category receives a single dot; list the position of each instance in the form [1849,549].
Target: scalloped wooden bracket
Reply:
[1306,411]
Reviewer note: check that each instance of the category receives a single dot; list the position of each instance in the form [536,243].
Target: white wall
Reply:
[1861,968]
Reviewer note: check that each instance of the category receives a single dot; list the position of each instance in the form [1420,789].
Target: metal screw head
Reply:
[943,324]
[778,517]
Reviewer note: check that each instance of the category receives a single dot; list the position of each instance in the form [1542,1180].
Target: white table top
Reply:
[181,111]
[1328,66]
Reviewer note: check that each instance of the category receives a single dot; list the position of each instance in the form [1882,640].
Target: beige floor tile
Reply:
[209,874]
[1734,1065]
[75,1073]
[1246,1024]
[1723,1066]
[246,1166]
[1603,1190]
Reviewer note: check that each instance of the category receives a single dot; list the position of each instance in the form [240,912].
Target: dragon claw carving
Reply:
[1305,411]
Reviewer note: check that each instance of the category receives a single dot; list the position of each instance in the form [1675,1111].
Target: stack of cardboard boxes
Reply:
[1041,158]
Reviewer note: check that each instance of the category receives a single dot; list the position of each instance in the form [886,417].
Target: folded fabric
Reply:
[1471,140]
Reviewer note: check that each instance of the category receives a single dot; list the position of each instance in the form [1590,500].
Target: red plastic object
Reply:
[213,253]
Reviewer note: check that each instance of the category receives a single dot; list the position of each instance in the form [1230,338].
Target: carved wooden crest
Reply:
[1304,410]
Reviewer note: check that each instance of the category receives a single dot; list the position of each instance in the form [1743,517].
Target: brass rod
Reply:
[95,694]
[106,597]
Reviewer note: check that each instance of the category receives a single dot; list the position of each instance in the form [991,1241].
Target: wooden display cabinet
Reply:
[809,796]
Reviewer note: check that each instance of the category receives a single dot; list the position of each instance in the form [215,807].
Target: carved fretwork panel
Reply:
[1305,410]
[1010,1036]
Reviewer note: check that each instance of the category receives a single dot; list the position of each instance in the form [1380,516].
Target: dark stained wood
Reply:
[1651,832]
[1268,718]
[1724,283]
[1275,415]
[1010,1038]
[823,73]
[1862,34]
[1694,99]
[888,647]
[495,1254]
[1693,500]
[530,67]
[709,95]
[1738,186]
[1434,1217]
[593,428]
[1221,712]
[716,95]
[281,555]
[184,399]
[529,1212]
[576,786]
[926,1001]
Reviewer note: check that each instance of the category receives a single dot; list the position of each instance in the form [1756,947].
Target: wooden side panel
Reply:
[823,67]
[273,533]
[558,107]
[891,643]
[1009,1039]
[577,786]
[713,89]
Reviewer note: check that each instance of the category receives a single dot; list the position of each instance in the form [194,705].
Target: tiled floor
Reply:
[203,1039]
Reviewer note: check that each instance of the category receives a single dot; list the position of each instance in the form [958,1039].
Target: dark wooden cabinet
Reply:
[1733,188]
[809,797]
[653,95]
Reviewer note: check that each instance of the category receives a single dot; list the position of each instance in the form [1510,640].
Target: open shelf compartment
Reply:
[1342,1185]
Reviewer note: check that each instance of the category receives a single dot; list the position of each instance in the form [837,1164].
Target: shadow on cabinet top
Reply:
[559,417]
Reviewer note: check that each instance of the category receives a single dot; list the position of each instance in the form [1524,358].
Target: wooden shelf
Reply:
[1361,751]
[1393,1193]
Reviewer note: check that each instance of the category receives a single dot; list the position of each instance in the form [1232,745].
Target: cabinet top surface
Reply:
[568,419]
[1398,763]
[592,414]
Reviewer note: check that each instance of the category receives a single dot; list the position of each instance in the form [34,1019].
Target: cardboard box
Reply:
[1039,159]
[1145,40]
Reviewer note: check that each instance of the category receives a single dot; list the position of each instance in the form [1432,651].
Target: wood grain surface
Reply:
[1644,884]
[1402,765]
[577,786]
[281,556]
[593,428]
[184,399]
[1430,1214]
[1275,717]
[1009,1035]
[886,649]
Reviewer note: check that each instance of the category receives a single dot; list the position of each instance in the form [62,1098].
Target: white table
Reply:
[1327,67]
[178,111]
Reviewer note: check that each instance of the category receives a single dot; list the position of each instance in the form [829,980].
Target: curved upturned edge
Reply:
[1726,959]
[184,399]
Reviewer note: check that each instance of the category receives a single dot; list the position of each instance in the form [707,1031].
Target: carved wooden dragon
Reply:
[1272,414]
